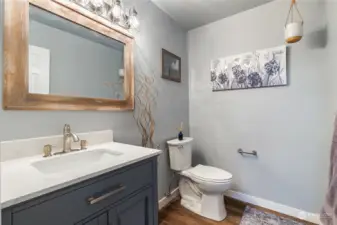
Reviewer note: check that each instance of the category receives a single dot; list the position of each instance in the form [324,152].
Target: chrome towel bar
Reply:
[240,151]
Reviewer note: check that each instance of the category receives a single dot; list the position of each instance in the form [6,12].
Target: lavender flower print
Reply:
[254,80]
[272,69]
[215,83]
[259,68]
[240,77]
[213,76]
[222,78]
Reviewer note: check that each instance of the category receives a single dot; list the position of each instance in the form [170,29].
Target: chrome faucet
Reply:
[68,137]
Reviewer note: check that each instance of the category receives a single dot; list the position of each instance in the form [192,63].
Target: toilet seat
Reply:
[208,174]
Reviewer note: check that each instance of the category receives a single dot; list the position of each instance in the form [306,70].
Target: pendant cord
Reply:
[298,11]
[291,12]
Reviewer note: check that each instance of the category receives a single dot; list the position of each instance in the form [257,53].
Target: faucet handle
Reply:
[84,144]
[66,129]
[47,149]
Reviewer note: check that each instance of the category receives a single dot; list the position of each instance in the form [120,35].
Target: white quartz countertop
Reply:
[20,181]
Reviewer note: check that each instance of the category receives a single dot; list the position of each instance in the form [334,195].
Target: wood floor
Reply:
[175,214]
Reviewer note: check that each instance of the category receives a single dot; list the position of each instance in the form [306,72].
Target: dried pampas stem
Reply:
[145,101]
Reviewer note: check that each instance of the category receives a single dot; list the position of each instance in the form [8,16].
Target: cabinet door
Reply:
[137,210]
[97,220]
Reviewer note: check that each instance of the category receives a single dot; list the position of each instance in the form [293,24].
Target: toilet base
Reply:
[209,206]
[213,207]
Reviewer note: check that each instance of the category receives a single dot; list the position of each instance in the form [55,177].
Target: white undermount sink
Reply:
[75,161]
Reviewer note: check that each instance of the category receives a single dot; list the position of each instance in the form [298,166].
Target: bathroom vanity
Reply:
[109,183]
[61,56]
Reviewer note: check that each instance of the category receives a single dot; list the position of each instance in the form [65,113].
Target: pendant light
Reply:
[293,28]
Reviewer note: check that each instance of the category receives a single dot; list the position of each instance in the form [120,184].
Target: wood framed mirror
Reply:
[60,56]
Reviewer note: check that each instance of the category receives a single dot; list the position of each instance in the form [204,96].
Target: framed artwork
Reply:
[258,69]
[171,66]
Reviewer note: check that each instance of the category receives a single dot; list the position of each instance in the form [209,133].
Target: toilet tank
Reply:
[180,153]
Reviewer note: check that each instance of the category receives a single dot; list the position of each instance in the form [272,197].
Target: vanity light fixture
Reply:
[82,2]
[113,11]
[97,3]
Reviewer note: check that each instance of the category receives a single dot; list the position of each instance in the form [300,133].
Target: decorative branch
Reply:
[145,101]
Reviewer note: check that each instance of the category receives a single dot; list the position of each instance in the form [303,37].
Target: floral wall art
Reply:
[262,68]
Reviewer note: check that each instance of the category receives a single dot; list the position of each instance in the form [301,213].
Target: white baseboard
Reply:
[166,200]
[287,210]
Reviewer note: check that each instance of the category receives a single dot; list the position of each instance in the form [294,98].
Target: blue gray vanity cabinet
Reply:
[137,210]
[127,196]
[102,219]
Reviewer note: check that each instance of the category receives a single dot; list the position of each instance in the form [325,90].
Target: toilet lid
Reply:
[209,173]
[178,142]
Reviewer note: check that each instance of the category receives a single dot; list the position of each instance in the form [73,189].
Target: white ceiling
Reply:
[194,13]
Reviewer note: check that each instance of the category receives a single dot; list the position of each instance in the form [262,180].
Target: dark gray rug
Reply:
[253,216]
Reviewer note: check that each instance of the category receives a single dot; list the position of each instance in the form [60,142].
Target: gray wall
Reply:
[290,127]
[157,31]
[331,29]
[79,66]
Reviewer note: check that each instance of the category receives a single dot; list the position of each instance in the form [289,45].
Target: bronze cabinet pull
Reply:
[94,200]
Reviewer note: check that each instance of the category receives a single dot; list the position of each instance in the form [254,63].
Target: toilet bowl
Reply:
[201,187]
[202,191]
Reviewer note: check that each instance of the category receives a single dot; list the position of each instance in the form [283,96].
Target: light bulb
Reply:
[82,2]
[117,11]
[133,21]
[97,3]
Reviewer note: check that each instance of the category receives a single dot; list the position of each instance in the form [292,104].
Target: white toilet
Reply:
[201,187]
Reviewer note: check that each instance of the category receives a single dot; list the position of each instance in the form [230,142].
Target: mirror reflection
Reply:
[70,60]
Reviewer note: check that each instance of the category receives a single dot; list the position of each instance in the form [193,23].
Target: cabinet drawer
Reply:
[86,200]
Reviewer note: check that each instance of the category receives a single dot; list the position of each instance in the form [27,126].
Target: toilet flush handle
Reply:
[180,147]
